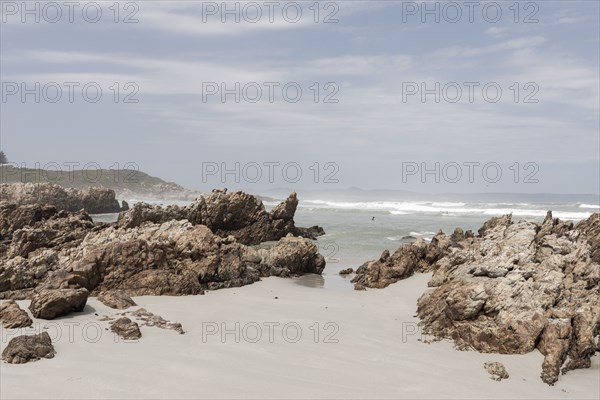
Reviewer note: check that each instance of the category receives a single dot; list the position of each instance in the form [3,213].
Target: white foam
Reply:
[449,208]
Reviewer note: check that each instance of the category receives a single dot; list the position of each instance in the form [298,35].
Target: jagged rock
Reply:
[61,229]
[392,268]
[151,251]
[346,271]
[236,214]
[513,288]
[24,348]
[12,316]
[519,286]
[116,299]
[151,319]
[496,370]
[52,303]
[95,200]
[126,328]
[142,213]
[15,216]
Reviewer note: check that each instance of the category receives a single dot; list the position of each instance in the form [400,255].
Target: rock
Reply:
[126,328]
[513,288]
[59,230]
[392,268]
[151,319]
[52,303]
[236,214]
[95,200]
[346,271]
[142,213]
[15,216]
[151,250]
[519,286]
[116,299]
[24,348]
[292,256]
[496,370]
[12,316]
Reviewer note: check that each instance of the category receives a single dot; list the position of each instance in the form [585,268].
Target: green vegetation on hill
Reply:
[121,181]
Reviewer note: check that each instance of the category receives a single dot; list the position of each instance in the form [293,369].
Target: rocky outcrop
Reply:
[417,256]
[116,299]
[12,316]
[513,288]
[151,251]
[520,286]
[49,304]
[95,200]
[126,328]
[173,258]
[347,271]
[24,348]
[236,214]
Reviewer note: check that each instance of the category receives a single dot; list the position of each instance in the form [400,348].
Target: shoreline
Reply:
[370,359]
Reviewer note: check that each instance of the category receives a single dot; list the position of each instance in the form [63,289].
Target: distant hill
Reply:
[126,183]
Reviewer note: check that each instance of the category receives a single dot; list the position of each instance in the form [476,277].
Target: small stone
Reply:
[126,328]
[496,370]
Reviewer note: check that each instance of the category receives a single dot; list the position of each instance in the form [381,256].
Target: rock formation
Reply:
[95,200]
[116,299]
[46,249]
[12,316]
[417,256]
[513,288]
[126,328]
[236,214]
[28,348]
[52,303]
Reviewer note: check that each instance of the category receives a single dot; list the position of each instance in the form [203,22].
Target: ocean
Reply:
[359,231]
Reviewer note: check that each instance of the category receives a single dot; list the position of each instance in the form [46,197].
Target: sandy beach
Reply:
[370,349]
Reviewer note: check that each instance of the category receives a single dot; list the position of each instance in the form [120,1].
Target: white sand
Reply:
[371,359]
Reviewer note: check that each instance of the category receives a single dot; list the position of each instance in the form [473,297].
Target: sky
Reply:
[422,96]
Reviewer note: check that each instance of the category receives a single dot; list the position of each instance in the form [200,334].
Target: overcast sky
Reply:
[370,62]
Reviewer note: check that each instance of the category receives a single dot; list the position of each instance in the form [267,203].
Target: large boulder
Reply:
[24,348]
[291,256]
[12,316]
[52,303]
